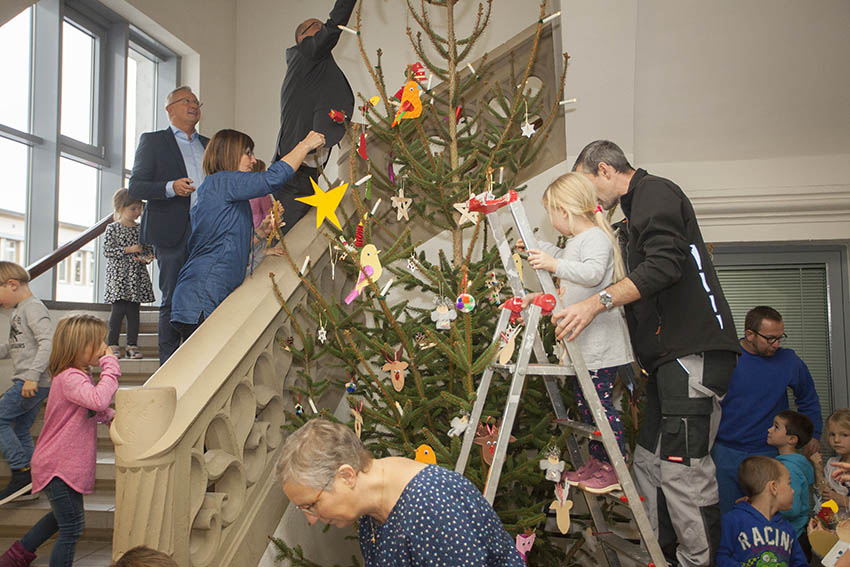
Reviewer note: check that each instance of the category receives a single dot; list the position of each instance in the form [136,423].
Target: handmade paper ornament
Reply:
[325,202]
[423,342]
[486,436]
[322,335]
[459,425]
[553,465]
[465,303]
[465,215]
[411,264]
[337,116]
[358,235]
[458,112]
[562,506]
[361,147]
[524,543]
[495,287]
[401,204]
[375,100]
[528,129]
[518,265]
[425,454]
[484,203]
[277,222]
[396,369]
[411,106]
[370,265]
[358,419]
[443,316]
[822,540]
[350,386]
[415,71]
[509,339]
[299,409]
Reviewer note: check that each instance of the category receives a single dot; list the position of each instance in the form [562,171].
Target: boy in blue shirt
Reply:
[790,432]
[754,532]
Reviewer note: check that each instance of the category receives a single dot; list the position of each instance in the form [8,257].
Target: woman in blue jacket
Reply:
[222,224]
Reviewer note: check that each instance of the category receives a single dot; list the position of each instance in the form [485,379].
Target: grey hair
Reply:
[312,455]
[170,98]
[602,151]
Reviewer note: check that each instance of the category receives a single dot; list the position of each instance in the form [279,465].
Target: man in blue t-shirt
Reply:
[757,392]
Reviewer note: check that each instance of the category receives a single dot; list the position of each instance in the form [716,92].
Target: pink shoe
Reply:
[601,480]
[17,556]
[583,472]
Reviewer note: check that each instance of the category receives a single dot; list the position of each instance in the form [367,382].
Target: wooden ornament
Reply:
[562,514]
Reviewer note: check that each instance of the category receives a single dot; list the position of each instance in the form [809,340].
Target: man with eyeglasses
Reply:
[757,393]
[314,85]
[167,169]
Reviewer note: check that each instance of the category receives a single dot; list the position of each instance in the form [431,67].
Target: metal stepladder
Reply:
[650,553]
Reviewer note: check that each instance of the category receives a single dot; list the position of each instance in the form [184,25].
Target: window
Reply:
[16,38]
[141,101]
[79,64]
[64,96]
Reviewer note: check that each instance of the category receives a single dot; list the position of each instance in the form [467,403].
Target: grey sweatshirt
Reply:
[30,341]
[586,267]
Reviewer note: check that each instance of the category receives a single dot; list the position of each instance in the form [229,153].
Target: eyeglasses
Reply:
[772,340]
[308,508]
[188,101]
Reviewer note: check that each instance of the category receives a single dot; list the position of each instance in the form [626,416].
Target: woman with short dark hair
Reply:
[409,513]
[222,224]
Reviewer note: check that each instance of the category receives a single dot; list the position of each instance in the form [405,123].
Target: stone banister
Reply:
[196,446]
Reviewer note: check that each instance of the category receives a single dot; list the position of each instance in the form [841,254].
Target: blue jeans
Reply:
[727,460]
[66,516]
[17,415]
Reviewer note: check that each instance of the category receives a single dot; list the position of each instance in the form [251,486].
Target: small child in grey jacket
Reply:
[30,342]
[589,263]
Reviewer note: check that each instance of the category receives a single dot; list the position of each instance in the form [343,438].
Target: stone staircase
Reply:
[95,547]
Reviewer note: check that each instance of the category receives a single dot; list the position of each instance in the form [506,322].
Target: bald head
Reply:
[307,28]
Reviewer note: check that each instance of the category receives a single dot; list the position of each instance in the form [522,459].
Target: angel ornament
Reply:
[459,425]
[443,315]
[553,465]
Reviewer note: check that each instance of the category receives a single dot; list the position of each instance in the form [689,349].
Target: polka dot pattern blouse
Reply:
[440,520]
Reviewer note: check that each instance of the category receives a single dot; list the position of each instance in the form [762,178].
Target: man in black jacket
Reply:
[167,169]
[684,336]
[313,87]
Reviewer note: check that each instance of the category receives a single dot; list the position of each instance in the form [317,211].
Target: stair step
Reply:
[90,551]
[17,518]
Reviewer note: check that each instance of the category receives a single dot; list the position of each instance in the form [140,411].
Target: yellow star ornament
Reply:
[325,202]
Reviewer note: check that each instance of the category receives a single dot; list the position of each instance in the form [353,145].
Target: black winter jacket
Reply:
[681,309]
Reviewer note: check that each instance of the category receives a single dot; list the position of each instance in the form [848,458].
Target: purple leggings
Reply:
[603,379]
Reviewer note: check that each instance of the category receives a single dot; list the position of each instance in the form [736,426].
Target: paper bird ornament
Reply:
[425,454]
[370,265]
[411,106]
[325,202]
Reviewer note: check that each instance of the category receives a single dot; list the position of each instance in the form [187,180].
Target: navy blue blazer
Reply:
[158,161]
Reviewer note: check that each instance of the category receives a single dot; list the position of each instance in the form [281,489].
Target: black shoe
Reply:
[19,488]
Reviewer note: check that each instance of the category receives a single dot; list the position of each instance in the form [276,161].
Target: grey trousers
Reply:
[672,467]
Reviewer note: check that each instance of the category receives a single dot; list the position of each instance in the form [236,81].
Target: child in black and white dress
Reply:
[128,283]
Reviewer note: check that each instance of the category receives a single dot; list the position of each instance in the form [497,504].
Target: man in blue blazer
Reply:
[167,170]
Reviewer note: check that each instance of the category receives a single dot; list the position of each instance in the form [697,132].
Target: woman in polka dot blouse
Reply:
[408,513]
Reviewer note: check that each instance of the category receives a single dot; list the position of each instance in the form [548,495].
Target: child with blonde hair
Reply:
[589,262]
[30,339]
[142,556]
[128,283]
[838,435]
[63,464]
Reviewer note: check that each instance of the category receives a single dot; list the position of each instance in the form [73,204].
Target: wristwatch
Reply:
[606,300]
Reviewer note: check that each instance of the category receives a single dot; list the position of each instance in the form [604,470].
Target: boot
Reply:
[19,488]
[17,556]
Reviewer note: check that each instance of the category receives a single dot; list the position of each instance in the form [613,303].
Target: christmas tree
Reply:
[410,360]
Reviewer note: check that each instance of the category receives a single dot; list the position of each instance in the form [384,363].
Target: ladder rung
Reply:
[631,550]
[583,429]
[536,369]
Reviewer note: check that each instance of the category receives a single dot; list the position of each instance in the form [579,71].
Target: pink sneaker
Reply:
[601,481]
[583,472]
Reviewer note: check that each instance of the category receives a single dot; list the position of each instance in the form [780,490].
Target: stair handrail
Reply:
[51,260]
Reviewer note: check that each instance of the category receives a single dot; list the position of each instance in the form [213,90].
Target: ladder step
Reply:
[536,369]
[631,550]
[579,428]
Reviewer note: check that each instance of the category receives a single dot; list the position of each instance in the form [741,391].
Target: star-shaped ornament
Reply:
[322,335]
[325,202]
[465,215]
[402,204]
[528,129]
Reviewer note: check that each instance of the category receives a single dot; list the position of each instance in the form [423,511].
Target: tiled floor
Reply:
[89,553]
